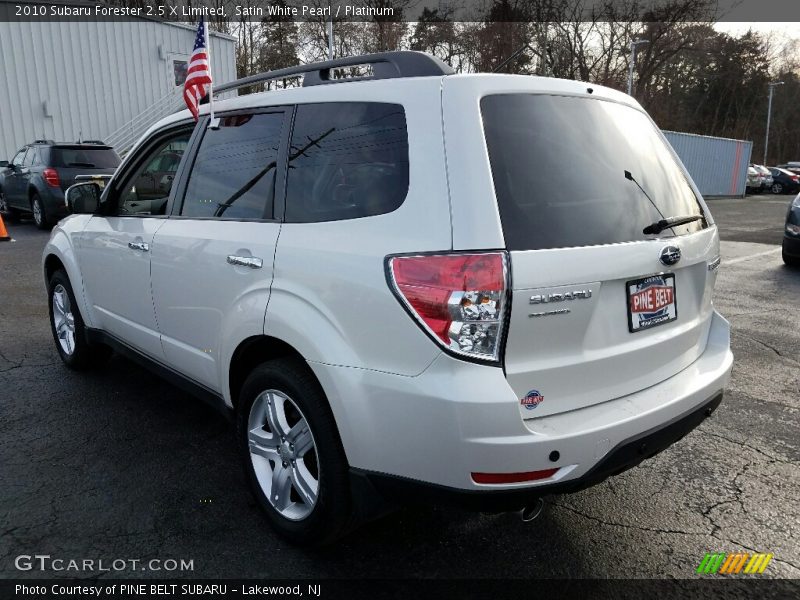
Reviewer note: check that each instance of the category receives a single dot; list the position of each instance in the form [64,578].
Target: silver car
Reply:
[765,176]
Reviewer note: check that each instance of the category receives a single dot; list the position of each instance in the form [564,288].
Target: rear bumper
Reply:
[626,455]
[434,430]
[54,204]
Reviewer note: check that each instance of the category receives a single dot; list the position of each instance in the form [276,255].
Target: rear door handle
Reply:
[246,261]
[143,246]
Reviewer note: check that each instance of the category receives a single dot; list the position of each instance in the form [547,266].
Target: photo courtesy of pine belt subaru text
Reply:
[382,283]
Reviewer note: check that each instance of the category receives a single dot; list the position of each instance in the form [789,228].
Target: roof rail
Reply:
[48,142]
[93,142]
[385,65]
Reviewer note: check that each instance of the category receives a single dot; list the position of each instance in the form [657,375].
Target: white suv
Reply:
[417,284]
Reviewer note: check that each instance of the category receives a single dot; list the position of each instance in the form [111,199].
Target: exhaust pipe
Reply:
[529,513]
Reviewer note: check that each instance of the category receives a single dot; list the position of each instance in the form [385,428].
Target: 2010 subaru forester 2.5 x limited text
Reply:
[388,285]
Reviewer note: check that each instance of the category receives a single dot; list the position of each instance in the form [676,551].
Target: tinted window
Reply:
[347,160]
[86,157]
[559,163]
[146,191]
[234,173]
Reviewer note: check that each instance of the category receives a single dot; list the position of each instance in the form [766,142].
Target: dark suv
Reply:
[37,177]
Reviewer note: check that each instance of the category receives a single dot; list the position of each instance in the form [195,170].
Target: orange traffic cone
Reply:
[4,237]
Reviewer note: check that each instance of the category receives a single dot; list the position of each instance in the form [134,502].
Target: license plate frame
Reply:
[638,319]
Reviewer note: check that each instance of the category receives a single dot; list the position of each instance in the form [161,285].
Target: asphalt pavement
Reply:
[116,463]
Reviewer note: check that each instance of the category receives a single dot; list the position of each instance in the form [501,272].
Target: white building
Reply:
[95,80]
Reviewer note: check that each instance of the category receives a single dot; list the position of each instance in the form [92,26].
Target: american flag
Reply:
[198,74]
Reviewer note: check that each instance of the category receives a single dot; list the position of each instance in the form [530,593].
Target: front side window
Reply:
[559,167]
[147,190]
[233,176]
[347,160]
[17,160]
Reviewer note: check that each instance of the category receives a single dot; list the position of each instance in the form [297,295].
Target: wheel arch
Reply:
[59,255]
[52,263]
[250,353]
[258,349]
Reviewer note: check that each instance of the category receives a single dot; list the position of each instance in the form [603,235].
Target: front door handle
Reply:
[246,261]
[143,246]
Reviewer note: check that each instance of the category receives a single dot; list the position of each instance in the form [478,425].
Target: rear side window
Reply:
[233,176]
[347,160]
[87,158]
[558,165]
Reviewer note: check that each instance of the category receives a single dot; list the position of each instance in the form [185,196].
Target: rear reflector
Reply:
[459,299]
[513,477]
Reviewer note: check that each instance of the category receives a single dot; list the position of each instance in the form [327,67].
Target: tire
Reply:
[284,391]
[39,214]
[8,213]
[777,188]
[67,326]
[790,261]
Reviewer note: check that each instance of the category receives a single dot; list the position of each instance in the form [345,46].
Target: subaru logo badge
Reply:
[670,255]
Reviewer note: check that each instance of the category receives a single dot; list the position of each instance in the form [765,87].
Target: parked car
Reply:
[784,181]
[765,177]
[37,176]
[794,167]
[791,234]
[389,288]
[753,183]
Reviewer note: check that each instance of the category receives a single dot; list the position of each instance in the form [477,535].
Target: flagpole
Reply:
[212,122]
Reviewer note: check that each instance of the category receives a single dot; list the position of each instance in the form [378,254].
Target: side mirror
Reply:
[83,198]
[3,164]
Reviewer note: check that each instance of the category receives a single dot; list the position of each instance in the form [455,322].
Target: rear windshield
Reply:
[559,164]
[87,158]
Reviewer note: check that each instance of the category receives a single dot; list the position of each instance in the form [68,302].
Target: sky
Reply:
[791,30]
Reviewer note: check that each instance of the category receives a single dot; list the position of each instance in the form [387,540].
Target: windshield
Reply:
[81,156]
[559,163]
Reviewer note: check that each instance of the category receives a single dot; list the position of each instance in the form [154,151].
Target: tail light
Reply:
[51,177]
[459,299]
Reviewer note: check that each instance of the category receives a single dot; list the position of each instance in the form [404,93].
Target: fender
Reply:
[61,244]
[241,322]
[316,336]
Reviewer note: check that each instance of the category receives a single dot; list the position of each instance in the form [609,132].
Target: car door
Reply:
[115,248]
[212,260]
[15,181]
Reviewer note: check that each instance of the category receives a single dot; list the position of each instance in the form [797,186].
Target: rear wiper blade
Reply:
[663,224]
[81,164]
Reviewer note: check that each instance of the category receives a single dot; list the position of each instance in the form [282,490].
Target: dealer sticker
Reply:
[651,302]
[532,399]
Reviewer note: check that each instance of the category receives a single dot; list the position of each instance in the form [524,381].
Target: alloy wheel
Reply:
[37,211]
[63,320]
[777,188]
[283,454]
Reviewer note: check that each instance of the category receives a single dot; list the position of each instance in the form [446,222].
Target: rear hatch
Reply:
[73,160]
[599,308]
